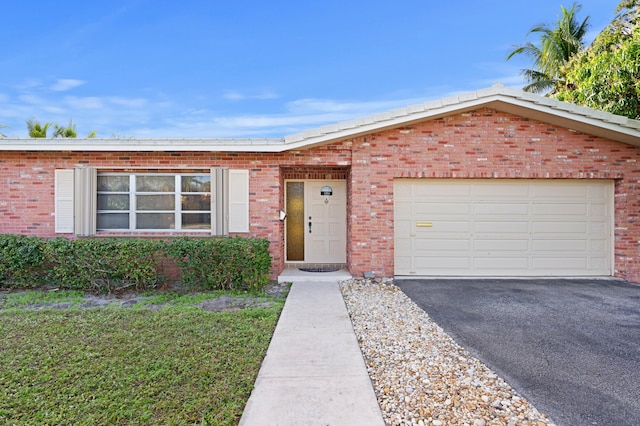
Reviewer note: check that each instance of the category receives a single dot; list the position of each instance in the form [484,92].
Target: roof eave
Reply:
[144,145]
[580,119]
[498,97]
[592,124]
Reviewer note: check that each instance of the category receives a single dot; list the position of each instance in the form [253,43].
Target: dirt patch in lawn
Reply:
[273,294]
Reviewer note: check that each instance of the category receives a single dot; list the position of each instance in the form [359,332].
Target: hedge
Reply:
[23,263]
[222,263]
[107,265]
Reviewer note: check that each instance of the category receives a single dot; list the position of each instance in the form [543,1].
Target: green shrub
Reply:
[22,262]
[105,265]
[222,263]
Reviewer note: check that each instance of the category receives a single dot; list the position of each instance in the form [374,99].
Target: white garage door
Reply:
[503,227]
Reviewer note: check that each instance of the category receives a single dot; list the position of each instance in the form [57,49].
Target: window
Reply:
[154,202]
[88,201]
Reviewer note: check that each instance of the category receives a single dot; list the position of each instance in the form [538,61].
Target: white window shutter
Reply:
[64,201]
[86,193]
[219,179]
[238,201]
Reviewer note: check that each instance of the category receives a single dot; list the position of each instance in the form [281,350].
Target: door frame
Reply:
[306,226]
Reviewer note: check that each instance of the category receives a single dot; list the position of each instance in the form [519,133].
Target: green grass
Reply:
[26,298]
[175,366]
[181,299]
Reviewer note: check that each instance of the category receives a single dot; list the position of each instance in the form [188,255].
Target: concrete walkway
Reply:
[313,373]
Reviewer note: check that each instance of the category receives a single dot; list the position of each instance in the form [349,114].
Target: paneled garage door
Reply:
[503,227]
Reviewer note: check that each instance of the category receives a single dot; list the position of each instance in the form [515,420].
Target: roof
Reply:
[498,97]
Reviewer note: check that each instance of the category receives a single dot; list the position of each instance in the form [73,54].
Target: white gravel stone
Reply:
[420,375]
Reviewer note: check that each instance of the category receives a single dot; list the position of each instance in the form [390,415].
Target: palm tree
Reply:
[70,131]
[65,132]
[557,45]
[37,130]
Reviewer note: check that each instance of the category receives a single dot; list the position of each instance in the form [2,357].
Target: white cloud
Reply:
[315,106]
[28,84]
[52,109]
[127,102]
[192,112]
[64,84]
[88,102]
[267,121]
[233,95]
[31,99]
[507,73]
[160,116]
[296,116]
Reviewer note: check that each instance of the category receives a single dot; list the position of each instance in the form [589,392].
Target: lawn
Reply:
[111,365]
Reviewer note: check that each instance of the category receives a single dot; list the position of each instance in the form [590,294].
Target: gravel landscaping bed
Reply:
[420,375]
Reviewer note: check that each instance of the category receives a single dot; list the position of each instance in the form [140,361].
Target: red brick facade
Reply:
[480,144]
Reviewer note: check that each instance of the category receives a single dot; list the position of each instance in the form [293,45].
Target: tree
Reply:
[607,75]
[2,135]
[627,15]
[556,47]
[69,131]
[37,130]
[65,132]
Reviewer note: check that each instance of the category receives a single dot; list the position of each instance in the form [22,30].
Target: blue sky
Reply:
[204,69]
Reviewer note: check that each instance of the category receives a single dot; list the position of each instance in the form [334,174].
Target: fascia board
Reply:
[143,145]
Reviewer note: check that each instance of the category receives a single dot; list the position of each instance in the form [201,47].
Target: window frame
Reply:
[134,194]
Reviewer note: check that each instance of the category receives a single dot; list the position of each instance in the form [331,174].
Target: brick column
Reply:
[359,231]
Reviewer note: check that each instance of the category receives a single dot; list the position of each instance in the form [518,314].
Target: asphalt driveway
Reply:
[571,347]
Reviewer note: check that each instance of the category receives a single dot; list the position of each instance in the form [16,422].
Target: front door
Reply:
[316,221]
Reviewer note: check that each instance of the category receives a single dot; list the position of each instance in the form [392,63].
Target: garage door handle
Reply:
[424,224]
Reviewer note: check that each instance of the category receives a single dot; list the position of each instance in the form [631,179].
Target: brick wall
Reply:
[480,144]
[489,144]
[27,179]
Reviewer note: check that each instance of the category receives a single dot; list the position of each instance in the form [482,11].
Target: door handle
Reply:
[309,224]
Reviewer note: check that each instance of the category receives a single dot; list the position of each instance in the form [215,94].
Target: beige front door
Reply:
[321,218]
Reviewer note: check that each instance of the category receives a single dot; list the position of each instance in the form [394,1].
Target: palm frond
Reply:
[36,129]
[556,46]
